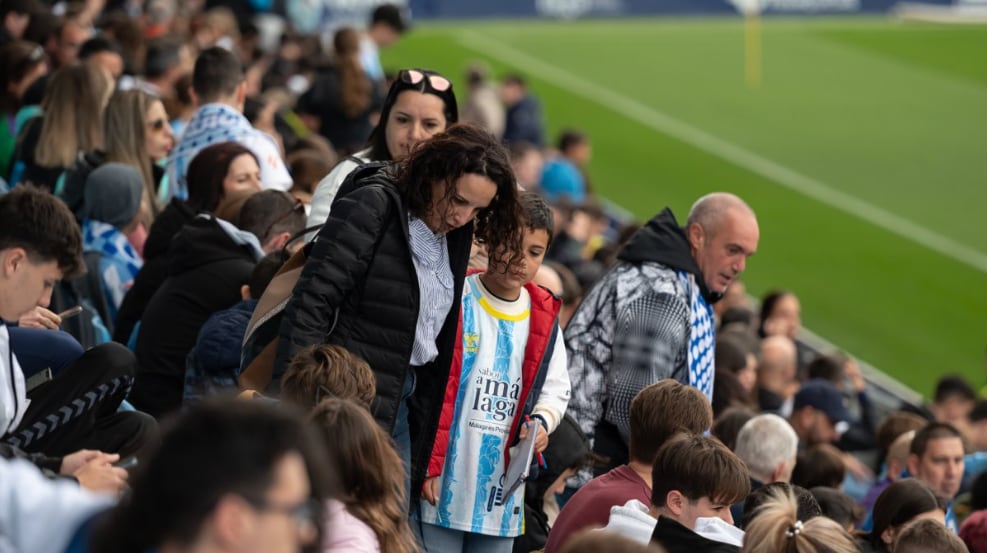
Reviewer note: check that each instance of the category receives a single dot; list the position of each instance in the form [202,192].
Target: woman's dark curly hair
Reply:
[466,149]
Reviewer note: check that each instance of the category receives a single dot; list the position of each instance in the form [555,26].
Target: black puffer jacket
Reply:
[359,290]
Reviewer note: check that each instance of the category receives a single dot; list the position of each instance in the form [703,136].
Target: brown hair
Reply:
[370,473]
[649,421]
[819,465]
[207,171]
[124,134]
[933,431]
[697,467]
[899,503]
[928,535]
[43,226]
[307,168]
[466,149]
[17,59]
[894,425]
[323,371]
[355,86]
[73,105]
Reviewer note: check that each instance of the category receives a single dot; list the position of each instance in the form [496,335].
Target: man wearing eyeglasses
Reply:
[230,476]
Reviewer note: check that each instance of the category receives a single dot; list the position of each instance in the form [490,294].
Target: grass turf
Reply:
[890,114]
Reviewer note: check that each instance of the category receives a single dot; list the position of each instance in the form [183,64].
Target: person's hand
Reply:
[39,317]
[430,490]
[541,440]
[75,461]
[99,475]
[852,371]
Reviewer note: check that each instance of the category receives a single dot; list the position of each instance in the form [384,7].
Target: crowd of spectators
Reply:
[260,293]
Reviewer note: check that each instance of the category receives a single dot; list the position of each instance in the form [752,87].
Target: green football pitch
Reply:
[863,151]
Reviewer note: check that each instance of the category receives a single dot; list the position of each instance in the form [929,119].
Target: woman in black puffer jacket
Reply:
[385,275]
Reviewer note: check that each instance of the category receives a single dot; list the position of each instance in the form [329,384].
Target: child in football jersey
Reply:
[509,368]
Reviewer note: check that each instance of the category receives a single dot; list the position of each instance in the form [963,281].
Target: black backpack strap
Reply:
[90,287]
[358,161]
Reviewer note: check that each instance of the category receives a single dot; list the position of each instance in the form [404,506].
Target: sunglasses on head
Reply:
[437,82]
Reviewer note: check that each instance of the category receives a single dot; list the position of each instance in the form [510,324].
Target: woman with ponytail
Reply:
[343,98]
[777,529]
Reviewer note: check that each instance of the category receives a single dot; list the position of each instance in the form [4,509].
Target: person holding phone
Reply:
[69,424]
[40,344]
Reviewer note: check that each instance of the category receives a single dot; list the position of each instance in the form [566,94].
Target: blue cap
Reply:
[823,396]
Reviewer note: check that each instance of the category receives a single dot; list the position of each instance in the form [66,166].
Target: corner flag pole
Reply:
[752,44]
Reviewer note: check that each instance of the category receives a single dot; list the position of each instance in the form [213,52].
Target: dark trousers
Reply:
[78,409]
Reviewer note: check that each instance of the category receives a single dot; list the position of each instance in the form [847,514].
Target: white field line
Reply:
[780,174]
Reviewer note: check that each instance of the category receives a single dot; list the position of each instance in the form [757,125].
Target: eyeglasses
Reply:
[437,82]
[302,514]
[157,124]
[298,206]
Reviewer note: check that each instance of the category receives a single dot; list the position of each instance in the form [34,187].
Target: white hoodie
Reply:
[717,529]
[13,392]
[40,515]
[631,520]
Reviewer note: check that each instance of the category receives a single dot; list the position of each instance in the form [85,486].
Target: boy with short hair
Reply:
[928,535]
[694,482]
[322,371]
[58,423]
[628,486]
[509,366]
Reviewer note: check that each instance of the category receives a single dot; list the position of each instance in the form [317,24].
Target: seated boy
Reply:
[509,366]
[323,371]
[629,485]
[694,482]
[213,365]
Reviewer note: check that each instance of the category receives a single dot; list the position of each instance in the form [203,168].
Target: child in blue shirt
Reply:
[509,367]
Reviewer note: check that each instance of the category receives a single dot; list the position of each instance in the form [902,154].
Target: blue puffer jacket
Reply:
[213,365]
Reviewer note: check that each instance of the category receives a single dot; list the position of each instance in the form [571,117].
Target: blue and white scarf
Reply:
[119,261]
[702,337]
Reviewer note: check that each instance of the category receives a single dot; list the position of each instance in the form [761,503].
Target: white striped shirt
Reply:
[435,282]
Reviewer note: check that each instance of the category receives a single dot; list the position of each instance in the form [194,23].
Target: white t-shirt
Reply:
[40,515]
[13,391]
[325,191]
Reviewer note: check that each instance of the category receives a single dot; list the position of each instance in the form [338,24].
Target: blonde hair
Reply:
[355,86]
[775,528]
[124,136]
[72,105]
[369,470]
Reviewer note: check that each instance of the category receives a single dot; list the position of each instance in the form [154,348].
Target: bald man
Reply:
[650,316]
[776,375]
